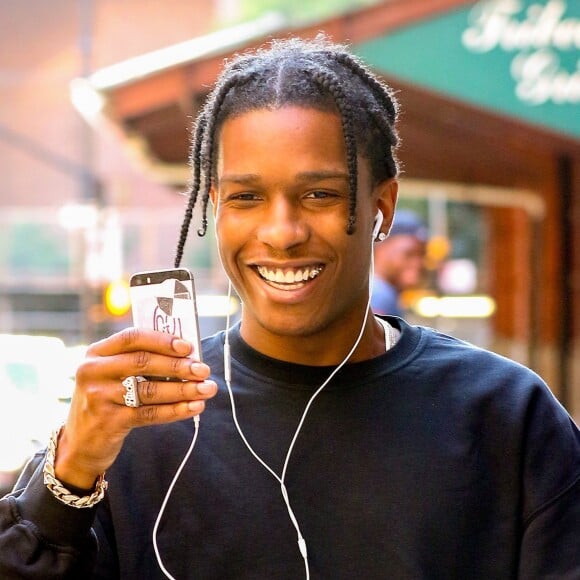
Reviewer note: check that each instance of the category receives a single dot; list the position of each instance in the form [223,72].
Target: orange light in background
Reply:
[438,248]
[117,299]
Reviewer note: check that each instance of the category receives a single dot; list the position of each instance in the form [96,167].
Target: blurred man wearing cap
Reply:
[399,262]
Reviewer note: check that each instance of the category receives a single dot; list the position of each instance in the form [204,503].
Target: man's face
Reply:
[281,202]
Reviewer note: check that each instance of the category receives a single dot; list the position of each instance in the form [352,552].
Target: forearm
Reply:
[40,537]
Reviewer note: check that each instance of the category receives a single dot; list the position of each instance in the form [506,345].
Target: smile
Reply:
[287,278]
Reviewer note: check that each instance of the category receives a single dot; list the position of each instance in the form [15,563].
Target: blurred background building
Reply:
[96,103]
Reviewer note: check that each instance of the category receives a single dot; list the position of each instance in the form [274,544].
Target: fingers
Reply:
[163,402]
[100,381]
[135,351]
[147,364]
[99,420]
[140,339]
[164,392]
[100,384]
[157,414]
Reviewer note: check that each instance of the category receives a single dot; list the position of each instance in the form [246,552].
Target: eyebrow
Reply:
[304,176]
[241,178]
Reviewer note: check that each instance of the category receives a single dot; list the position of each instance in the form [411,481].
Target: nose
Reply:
[283,226]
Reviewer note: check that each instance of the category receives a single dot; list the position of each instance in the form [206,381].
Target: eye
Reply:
[244,196]
[242,199]
[321,198]
[319,194]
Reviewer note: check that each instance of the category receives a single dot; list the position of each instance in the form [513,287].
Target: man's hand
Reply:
[99,420]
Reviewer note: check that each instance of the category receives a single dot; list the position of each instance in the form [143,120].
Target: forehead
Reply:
[291,131]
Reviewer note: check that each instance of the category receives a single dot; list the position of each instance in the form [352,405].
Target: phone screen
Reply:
[164,300]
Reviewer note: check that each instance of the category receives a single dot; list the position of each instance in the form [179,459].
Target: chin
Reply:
[285,328]
[295,326]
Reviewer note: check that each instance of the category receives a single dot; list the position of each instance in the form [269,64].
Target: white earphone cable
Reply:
[168,494]
[280,478]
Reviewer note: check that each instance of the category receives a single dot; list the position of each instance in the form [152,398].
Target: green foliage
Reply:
[300,10]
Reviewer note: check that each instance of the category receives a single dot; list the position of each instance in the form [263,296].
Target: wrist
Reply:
[68,470]
[59,489]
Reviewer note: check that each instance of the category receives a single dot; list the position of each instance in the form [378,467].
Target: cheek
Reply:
[230,229]
[223,241]
[359,255]
[233,236]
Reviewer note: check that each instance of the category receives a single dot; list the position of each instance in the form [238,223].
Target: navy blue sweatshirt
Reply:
[435,460]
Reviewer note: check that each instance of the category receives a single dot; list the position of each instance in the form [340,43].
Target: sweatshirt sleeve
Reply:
[550,545]
[40,537]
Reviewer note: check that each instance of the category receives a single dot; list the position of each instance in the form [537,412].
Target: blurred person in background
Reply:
[336,443]
[399,262]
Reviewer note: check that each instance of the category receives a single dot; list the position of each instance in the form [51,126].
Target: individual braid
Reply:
[385,98]
[194,189]
[328,82]
[202,161]
[212,110]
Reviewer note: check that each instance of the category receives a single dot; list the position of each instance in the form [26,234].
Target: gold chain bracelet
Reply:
[59,490]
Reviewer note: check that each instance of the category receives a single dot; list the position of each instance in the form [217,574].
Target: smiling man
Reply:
[336,444]
[282,202]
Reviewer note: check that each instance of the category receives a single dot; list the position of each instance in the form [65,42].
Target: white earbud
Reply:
[378,223]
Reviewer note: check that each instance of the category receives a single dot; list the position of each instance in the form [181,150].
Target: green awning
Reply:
[516,57]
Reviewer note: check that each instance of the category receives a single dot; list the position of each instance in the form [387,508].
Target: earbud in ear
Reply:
[377,225]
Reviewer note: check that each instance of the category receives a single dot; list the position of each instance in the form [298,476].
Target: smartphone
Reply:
[165,300]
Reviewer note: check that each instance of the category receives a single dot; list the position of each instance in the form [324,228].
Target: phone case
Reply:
[165,300]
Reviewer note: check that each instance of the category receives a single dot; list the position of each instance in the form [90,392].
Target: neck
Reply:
[325,347]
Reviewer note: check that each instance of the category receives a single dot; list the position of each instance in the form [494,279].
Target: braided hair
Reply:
[295,72]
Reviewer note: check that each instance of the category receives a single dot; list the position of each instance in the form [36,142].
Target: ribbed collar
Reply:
[290,375]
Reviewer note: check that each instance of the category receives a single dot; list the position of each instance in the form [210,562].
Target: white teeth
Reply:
[289,276]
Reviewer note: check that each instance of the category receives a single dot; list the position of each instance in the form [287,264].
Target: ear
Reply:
[386,194]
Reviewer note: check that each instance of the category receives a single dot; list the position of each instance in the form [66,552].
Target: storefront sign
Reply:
[536,42]
[519,57]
